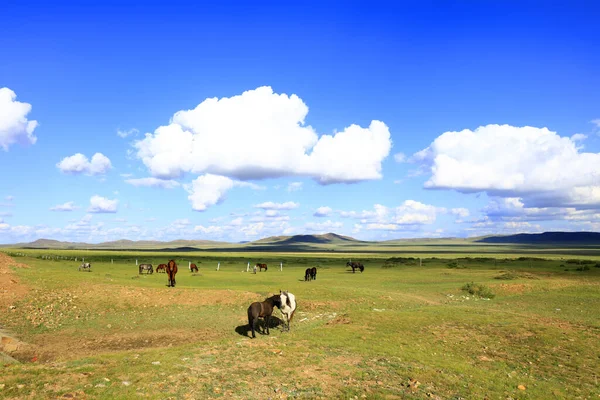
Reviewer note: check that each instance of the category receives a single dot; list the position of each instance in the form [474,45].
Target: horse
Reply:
[261,266]
[193,268]
[355,265]
[146,267]
[307,274]
[161,268]
[313,273]
[171,271]
[288,307]
[85,267]
[262,309]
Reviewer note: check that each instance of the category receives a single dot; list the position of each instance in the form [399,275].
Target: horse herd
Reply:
[169,268]
[285,301]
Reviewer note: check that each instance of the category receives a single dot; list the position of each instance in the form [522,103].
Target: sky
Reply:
[239,121]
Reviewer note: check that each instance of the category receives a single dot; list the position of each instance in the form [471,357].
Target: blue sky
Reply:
[236,122]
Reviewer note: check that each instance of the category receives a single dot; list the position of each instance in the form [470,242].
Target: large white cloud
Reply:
[99,204]
[79,163]
[261,134]
[535,164]
[14,125]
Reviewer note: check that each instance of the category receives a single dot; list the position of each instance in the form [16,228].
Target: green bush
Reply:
[479,290]
[455,265]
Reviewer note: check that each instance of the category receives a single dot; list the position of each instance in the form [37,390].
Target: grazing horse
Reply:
[262,309]
[193,267]
[261,266]
[288,307]
[146,267]
[161,268]
[85,267]
[313,273]
[171,271]
[307,274]
[355,265]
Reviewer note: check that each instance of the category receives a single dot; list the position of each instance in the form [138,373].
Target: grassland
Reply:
[402,329]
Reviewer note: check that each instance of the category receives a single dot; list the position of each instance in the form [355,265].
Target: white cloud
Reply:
[294,186]
[78,163]
[14,125]
[153,182]
[100,204]
[322,212]
[269,205]
[460,212]
[536,164]
[400,157]
[261,134]
[126,133]
[9,198]
[208,190]
[68,206]
[578,137]
[409,214]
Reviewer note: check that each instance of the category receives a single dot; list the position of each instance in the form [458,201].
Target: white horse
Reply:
[288,307]
[85,267]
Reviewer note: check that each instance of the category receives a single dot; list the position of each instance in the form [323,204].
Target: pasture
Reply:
[401,329]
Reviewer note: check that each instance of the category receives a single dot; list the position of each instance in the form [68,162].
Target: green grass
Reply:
[354,334]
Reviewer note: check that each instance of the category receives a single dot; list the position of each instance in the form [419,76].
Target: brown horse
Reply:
[313,273]
[171,271]
[161,268]
[193,267]
[261,266]
[355,265]
[262,309]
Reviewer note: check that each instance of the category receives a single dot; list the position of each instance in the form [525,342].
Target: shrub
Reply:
[455,265]
[584,268]
[479,290]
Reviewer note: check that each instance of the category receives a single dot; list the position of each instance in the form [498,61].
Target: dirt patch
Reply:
[73,344]
[11,289]
[308,305]
[512,288]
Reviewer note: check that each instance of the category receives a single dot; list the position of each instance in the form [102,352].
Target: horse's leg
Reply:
[252,324]
[267,322]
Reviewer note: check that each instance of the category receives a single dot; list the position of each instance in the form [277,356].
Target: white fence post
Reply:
[281,266]
[136,262]
[218,266]
[190,265]
[248,267]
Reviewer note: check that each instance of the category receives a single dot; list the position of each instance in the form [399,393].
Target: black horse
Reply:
[262,309]
[313,273]
[307,274]
[355,265]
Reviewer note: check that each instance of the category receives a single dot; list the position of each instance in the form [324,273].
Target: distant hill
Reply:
[567,238]
[327,238]
[123,244]
[324,242]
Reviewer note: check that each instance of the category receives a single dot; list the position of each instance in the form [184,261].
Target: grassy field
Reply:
[402,329]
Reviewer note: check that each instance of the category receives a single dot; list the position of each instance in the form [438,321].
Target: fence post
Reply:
[218,266]
[281,266]
[136,262]
[248,267]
